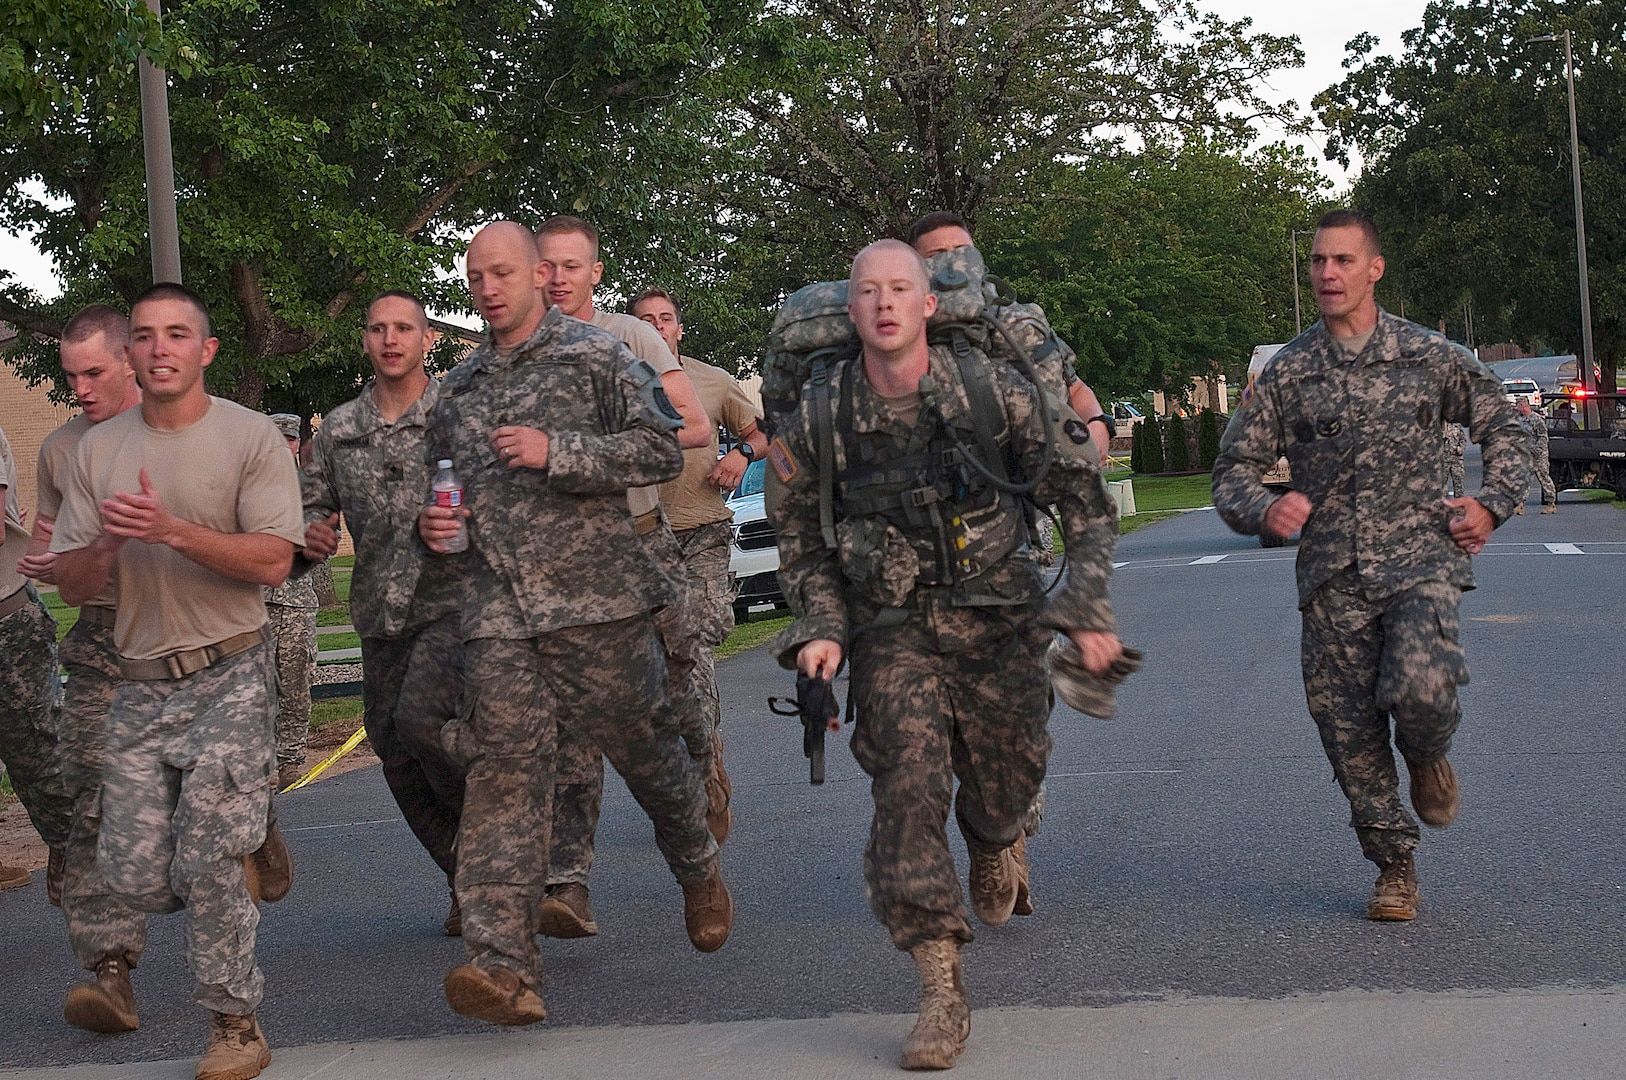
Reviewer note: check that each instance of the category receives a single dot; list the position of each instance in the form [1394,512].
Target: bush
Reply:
[1208,438]
[1179,450]
[1137,448]
[1152,453]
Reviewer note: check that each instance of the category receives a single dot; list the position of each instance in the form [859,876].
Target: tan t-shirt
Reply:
[16,539]
[647,345]
[691,502]
[230,472]
[56,463]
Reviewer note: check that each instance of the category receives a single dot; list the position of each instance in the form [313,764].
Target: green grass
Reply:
[1153,493]
[330,642]
[750,635]
[325,711]
[65,616]
[1140,521]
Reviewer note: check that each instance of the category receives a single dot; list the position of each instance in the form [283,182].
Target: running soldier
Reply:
[1356,403]
[207,492]
[1534,427]
[1455,438]
[29,692]
[292,608]
[368,464]
[933,595]
[699,515]
[547,423]
[107,934]
[569,246]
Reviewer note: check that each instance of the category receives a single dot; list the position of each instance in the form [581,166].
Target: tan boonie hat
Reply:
[287,423]
[1089,693]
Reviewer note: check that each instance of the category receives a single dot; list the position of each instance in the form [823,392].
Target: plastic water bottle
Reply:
[448,491]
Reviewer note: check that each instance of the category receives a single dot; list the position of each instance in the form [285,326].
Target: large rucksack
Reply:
[976,314]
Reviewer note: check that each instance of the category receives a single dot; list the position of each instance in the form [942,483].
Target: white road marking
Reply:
[1207,559]
[1564,549]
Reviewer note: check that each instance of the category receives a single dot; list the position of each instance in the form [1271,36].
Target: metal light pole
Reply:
[1587,378]
[163,230]
[1293,238]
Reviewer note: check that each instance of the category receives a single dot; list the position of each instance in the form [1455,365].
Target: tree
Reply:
[1152,455]
[1179,455]
[1208,438]
[326,150]
[1137,449]
[1466,138]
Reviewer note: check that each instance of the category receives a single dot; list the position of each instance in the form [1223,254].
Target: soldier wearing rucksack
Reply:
[900,472]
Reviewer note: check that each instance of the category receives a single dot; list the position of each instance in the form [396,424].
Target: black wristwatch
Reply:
[746,451]
[1112,426]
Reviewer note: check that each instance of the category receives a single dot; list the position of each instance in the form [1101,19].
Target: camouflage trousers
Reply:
[1365,661]
[598,685]
[683,628]
[100,923]
[958,693]
[295,630]
[411,688]
[30,693]
[1541,472]
[186,793]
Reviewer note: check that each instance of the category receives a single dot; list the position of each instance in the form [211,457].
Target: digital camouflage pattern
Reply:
[411,688]
[30,693]
[1362,436]
[949,682]
[1534,427]
[99,922]
[554,548]
[1364,661]
[1455,437]
[376,474]
[599,686]
[705,561]
[294,628]
[186,793]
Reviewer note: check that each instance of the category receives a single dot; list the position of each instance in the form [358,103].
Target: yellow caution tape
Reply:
[349,744]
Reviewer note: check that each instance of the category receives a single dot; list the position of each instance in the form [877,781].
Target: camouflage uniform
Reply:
[1534,428]
[947,655]
[291,609]
[556,593]
[1379,577]
[402,603]
[185,795]
[1456,438]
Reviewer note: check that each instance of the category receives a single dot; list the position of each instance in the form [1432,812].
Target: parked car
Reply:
[1518,390]
[753,549]
[1126,415]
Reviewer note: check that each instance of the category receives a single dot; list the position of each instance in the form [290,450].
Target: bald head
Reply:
[894,255]
[889,300]
[506,277]
[508,236]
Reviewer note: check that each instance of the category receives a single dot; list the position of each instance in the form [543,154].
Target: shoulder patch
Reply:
[662,402]
[1246,396]
[784,464]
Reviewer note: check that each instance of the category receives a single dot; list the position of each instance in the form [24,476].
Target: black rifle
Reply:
[815,703]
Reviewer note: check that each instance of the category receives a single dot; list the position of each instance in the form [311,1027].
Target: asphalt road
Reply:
[1196,846]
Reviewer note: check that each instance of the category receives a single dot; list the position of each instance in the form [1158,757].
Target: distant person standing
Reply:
[1355,403]
[291,608]
[699,515]
[1534,426]
[190,504]
[1455,438]
[107,934]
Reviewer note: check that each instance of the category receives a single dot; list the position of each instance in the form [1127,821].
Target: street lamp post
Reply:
[1587,378]
[1293,239]
[163,230]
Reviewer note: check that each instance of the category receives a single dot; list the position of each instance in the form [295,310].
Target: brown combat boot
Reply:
[1519,510]
[1434,792]
[944,1023]
[237,1048]
[994,885]
[1394,895]
[708,912]
[495,995]
[14,877]
[55,865]
[1024,899]
[454,919]
[107,1005]
[275,864]
[719,793]
[565,912]
[290,774]
[1548,508]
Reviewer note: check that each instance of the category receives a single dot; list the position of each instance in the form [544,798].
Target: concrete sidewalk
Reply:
[1574,1034]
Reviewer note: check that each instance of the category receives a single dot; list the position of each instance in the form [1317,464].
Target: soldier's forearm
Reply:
[585,464]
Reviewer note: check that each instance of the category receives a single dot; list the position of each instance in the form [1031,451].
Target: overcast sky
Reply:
[1323,32]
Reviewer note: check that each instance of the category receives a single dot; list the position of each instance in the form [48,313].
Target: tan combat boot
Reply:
[1434,792]
[495,995]
[237,1048]
[1394,895]
[290,774]
[1519,509]
[708,912]
[993,885]
[14,877]
[107,1005]
[719,793]
[565,912]
[944,1023]
[454,919]
[1549,508]
[275,864]
[1024,899]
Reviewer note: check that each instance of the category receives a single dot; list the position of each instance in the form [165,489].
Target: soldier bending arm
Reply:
[1250,447]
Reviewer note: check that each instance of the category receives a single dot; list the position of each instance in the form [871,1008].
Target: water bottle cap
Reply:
[444,463]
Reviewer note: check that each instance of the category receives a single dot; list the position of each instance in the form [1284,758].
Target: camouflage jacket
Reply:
[1362,436]
[373,472]
[1534,428]
[555,547]
[819,583]
[296,592]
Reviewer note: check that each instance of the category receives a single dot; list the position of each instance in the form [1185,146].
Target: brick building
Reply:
[27,415]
